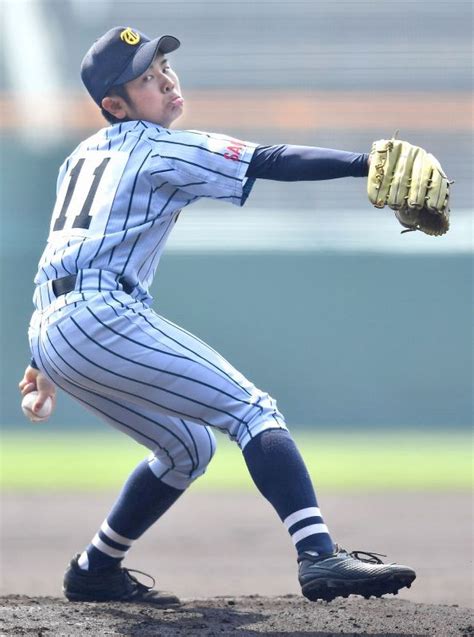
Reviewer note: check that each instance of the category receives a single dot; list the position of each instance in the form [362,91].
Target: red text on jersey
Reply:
[234,150]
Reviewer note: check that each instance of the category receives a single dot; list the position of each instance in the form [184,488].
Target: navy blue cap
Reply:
[118,56]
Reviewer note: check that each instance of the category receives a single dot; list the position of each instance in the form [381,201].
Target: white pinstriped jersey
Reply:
[119,195]
[120,192]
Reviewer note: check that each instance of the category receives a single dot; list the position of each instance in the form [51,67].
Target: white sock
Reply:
[83,561]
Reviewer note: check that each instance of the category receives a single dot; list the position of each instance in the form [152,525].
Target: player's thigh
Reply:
[181,451]
[126,351]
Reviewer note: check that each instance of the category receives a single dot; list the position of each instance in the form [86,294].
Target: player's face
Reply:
[155,96]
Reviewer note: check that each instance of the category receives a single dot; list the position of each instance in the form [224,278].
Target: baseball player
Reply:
[95,335]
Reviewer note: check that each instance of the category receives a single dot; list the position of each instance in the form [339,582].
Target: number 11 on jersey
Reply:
[88,189]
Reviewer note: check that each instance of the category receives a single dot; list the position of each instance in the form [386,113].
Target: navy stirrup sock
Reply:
[144,498]
[280,475]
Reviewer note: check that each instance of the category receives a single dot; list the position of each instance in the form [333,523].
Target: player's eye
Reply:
[166,69]
[148,77]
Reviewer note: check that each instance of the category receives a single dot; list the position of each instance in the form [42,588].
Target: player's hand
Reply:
[34,380]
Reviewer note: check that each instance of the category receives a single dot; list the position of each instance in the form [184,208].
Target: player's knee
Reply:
[185,465]
[204,453]
[265,416]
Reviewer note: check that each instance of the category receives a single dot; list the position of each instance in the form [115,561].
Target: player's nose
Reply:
[167,85]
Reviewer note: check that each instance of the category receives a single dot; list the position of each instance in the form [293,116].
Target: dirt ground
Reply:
[230,561]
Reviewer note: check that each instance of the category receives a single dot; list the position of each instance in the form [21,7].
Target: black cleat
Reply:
[340,574]
[112,584]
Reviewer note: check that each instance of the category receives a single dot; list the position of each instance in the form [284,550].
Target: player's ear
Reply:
[115,105]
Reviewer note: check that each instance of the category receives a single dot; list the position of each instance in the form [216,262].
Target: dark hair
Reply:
[116,91]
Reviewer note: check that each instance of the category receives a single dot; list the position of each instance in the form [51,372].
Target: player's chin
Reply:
[177,106]
[176,111]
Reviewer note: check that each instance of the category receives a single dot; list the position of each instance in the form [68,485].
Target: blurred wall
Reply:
[365,328]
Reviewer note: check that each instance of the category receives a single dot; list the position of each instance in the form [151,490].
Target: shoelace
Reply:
[128,571]
[374,558]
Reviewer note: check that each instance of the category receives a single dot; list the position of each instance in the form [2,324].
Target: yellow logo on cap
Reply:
[130,37]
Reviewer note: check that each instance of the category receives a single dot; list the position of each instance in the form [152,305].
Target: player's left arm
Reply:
[401,176]
[306,163]
[34,380]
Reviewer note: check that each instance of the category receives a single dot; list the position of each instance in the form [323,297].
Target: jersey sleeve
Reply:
[202,164]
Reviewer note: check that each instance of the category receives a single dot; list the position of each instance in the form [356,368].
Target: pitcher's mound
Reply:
[289,615]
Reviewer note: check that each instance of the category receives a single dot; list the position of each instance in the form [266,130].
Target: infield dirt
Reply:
[243,616]
[229,559]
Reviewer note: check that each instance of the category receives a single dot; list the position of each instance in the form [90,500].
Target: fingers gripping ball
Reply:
[40,415]
[410,181]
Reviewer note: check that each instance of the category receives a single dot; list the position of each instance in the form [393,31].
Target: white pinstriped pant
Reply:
[149,378]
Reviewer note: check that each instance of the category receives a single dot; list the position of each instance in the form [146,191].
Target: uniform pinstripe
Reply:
[106,347]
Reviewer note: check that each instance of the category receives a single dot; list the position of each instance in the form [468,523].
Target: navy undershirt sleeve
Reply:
[305,163]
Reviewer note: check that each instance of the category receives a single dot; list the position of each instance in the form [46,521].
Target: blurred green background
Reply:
[348,460]
[318,299]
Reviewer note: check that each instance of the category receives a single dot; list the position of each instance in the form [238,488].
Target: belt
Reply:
[68,284]
[64,285]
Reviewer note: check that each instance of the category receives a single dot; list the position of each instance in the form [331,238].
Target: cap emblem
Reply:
[130,37]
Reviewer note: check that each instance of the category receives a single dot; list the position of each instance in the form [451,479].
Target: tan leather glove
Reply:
[411,182]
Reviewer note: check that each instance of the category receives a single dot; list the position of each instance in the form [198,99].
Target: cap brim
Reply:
[145,55]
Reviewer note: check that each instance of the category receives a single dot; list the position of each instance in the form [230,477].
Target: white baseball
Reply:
[27,407]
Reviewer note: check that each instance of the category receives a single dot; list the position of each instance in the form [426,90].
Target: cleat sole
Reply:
[328,590]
